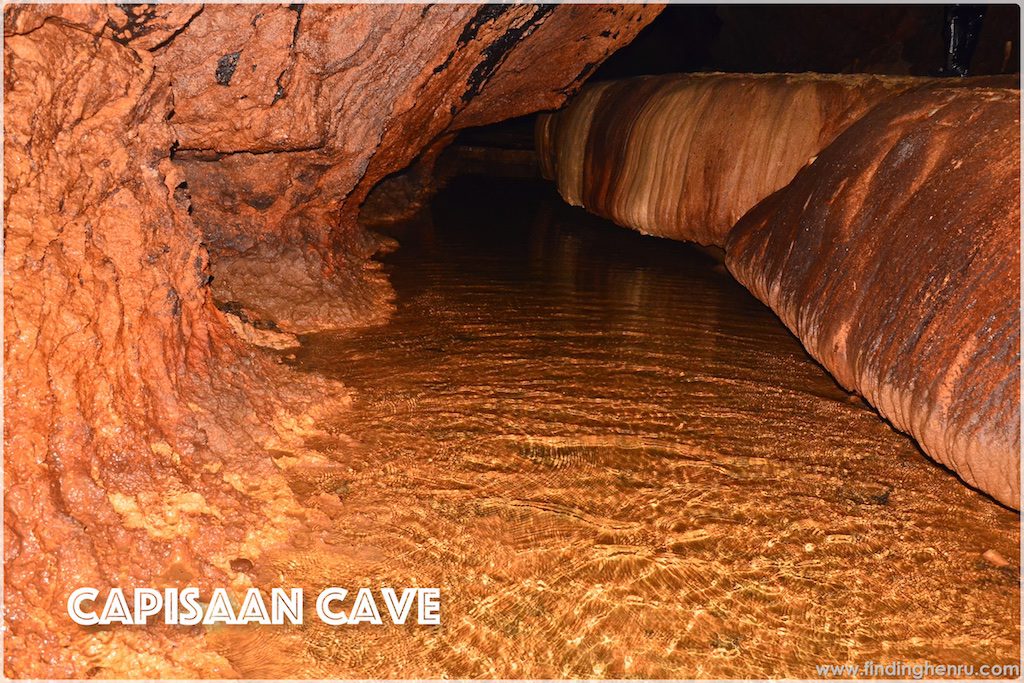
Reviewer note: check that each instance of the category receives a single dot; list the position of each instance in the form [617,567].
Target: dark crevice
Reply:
[137,24]
[167,41]
[297,8]
[472,28]
[279,91]
[198,154]
[226,66]
[495,53]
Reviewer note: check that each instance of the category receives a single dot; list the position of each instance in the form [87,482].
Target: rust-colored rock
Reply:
[686,155]
[109,335]
[895,259]
[137,422]
[286,117]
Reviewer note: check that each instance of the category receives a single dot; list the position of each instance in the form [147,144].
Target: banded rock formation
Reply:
[895,259]
[686,155]
[893,254]
[137,423]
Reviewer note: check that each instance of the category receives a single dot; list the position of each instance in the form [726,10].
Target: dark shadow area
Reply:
[877,39]
[881,39]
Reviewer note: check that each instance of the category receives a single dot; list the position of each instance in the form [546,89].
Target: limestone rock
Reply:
[895,258]
[286,117]
[109,332]
[686,155]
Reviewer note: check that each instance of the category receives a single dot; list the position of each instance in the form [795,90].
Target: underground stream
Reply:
[614,461]
[289,307]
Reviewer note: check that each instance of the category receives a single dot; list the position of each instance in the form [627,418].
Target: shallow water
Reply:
[614,462]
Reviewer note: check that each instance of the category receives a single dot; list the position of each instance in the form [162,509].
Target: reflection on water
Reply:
[615,463]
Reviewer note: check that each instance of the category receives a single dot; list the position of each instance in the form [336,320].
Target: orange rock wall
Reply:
[109,331]
[141,143]
[302,124]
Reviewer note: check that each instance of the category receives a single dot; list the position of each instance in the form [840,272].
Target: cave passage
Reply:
[287,305]
[614,461]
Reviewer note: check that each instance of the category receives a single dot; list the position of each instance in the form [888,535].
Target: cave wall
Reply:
[880,219]
[108,334]
[142,140]
[300,125]
[895,258]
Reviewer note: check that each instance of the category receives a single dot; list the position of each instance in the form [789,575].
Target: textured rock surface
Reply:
[287,117]
[895,259]
[685,156]
[136,421]
[109,334]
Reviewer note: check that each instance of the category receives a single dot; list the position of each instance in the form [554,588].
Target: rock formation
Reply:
[143,142]
[895,259]
[299,125]
[893,255]
[684,156]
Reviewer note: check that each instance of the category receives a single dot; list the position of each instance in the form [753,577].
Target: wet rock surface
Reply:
[111,345]
[892,254]
[895,259]
[686,155]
